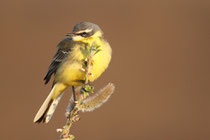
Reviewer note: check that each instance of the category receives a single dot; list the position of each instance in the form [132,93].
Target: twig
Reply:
[73,115]
[84,103]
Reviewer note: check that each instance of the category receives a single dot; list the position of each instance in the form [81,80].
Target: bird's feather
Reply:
[64,48]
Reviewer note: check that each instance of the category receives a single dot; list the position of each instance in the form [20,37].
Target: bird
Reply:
[68,63]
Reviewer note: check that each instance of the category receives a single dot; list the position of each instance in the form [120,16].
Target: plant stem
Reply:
[73,115]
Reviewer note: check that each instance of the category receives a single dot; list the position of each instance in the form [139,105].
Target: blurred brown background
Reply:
[160,66]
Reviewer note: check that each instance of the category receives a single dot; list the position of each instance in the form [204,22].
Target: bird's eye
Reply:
[83,34]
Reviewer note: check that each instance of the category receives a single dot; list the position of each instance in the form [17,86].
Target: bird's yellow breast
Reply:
[71,71]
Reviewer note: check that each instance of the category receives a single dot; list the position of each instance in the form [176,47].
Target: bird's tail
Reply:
[48,107]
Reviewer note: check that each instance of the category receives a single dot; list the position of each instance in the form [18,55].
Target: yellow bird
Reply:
[68,63]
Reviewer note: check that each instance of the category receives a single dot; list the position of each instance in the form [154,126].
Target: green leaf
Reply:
[88,88]
[97,51]
[85,94]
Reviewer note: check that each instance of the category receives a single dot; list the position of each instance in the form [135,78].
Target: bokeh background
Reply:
[160,66]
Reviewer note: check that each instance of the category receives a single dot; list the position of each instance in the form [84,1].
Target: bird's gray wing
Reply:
[64,48]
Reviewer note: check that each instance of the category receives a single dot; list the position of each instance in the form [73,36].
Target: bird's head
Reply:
[86,32]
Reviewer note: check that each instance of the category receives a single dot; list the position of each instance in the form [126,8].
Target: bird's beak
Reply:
[70,34]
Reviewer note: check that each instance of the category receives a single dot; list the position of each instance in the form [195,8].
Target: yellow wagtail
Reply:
[68,62]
